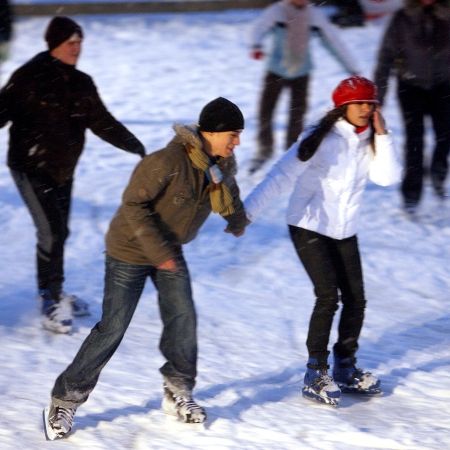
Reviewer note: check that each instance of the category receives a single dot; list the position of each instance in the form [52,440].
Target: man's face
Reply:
[69,51]
[222,143]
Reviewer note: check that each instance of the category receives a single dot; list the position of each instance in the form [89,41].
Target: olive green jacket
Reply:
[166,202]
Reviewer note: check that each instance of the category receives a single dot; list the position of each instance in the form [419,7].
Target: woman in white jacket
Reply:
[327,170]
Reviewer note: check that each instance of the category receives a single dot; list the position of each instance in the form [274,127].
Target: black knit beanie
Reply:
[221,115]
[60,29]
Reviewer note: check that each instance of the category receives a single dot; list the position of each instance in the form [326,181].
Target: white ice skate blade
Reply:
[313,396]
[50,435]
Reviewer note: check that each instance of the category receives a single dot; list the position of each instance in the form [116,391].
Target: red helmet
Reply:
[355,90]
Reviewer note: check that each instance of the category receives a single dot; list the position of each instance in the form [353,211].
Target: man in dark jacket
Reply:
[170,195]
[50,104]
[416,45]
[5,28]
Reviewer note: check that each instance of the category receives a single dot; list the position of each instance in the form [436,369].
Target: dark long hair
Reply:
[309,145]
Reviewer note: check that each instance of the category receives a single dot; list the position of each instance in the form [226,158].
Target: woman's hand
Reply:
[378,121]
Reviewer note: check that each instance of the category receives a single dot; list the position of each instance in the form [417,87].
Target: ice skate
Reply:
[56,316]
[320,387]
[80,307]
[183,406]
[58,421]
[352,380]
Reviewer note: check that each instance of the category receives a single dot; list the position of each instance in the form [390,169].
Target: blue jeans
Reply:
[124,284]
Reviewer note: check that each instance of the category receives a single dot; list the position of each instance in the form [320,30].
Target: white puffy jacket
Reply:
[327,189]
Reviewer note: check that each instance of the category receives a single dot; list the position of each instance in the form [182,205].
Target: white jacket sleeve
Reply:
[330,36]
[385,168]
[263,24]
[281,178]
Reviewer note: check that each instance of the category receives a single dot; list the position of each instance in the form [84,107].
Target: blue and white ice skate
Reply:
[352,380]
[320,387]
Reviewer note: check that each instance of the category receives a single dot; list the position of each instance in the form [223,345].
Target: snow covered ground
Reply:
[252,295]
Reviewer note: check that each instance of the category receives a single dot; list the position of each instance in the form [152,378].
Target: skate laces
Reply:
[325,382]
[61,311]
[183,401]
[62,419]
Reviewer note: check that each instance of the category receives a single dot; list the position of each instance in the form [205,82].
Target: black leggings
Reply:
[49,206]
[334,267]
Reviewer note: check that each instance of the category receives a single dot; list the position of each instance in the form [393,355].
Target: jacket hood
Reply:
[189,135]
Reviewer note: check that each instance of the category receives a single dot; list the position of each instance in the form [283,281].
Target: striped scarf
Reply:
[219,194]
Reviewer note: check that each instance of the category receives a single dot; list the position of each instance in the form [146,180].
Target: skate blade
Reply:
[317,398]
[373,392]
[50,435]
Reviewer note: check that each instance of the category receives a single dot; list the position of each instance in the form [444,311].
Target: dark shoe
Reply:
[439,189]
[256,165]
[410,208]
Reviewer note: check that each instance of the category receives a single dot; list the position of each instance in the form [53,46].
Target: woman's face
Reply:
[359,114]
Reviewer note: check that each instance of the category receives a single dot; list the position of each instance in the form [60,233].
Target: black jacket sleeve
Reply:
[106,127]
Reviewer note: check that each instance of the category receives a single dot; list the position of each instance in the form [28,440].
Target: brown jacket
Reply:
[166,202]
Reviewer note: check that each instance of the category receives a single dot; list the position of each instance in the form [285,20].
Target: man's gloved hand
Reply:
[237,229]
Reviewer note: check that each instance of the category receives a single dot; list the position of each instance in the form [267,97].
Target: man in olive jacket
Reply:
[170,195]
[50,104]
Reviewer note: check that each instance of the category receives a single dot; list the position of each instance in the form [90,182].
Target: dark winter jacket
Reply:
[416,45]
[50,105]
[5,21]
[166,202]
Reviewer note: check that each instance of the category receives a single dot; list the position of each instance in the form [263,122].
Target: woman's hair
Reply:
[309,145]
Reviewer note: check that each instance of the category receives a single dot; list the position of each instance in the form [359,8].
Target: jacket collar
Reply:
[347,130]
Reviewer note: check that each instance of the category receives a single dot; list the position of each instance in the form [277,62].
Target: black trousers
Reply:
[49,206]
[272,88]
[334,267]
[417,103]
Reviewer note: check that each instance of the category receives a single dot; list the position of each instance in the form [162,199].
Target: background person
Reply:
[50,104]
[416,48]
[289,64]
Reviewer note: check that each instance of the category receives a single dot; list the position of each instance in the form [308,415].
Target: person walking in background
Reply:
[350,14]
[50,104]
[290,23]
[170,195]
[5,30]
[416,47]
[327,171]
